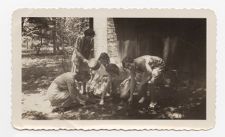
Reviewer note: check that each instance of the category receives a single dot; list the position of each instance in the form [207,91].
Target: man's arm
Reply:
[74,93]
[77,48]
[149,73]
[78,54]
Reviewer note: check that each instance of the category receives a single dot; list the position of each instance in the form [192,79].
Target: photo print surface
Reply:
[127,68]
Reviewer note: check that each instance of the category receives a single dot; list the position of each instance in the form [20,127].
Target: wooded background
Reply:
[51,34]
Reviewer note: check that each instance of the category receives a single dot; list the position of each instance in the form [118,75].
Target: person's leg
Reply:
[152,95]
[152,86]
[143,90]
[55,96]
[69,102]
[104,88]
[79,87]
[142,93]
[125,88]
[66,105]
[84,87]
[59,101]
[85,76]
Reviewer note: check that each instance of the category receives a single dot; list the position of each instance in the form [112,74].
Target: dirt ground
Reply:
[188,101]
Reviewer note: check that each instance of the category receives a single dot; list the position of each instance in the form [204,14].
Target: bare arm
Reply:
[78,54]
[74,93]
[77,49]
[149,73]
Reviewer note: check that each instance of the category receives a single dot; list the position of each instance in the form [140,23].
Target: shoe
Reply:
[141,100]
[142,111]
[58,110]
[152,105]
[101,102]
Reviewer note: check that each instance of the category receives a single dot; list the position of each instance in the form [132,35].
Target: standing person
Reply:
[143,70]
[63,92]
[83,51]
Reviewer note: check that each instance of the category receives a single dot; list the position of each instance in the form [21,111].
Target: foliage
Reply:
[53,32]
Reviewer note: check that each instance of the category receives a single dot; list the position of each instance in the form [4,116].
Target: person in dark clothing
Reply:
[83,51]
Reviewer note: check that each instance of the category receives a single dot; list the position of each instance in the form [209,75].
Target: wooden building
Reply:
[180,42]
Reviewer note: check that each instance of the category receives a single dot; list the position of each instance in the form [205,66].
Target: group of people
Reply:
[91,76]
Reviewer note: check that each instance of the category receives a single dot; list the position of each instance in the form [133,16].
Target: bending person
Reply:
[143,70]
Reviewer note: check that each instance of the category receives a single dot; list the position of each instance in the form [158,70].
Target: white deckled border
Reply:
[19,123]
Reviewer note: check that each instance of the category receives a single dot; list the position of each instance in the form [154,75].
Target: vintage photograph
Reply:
[113,68]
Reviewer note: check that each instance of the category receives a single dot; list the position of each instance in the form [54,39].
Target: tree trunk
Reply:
[170,45]
[173,52]
[38,47]
[22,24]
[91,23]
[32,40]
[62,44]
[166,49]
[54,36]
[38,50]
[27,44]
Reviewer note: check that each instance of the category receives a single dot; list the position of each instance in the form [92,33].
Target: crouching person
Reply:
[63,92]
[103,77]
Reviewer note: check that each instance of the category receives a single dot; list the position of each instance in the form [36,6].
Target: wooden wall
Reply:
[180,42]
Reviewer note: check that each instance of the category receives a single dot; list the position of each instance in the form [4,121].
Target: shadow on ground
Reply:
[188,101]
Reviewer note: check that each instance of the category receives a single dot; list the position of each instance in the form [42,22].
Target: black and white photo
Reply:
[118,68]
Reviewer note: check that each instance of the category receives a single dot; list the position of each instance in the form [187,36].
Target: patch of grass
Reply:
[34,115]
